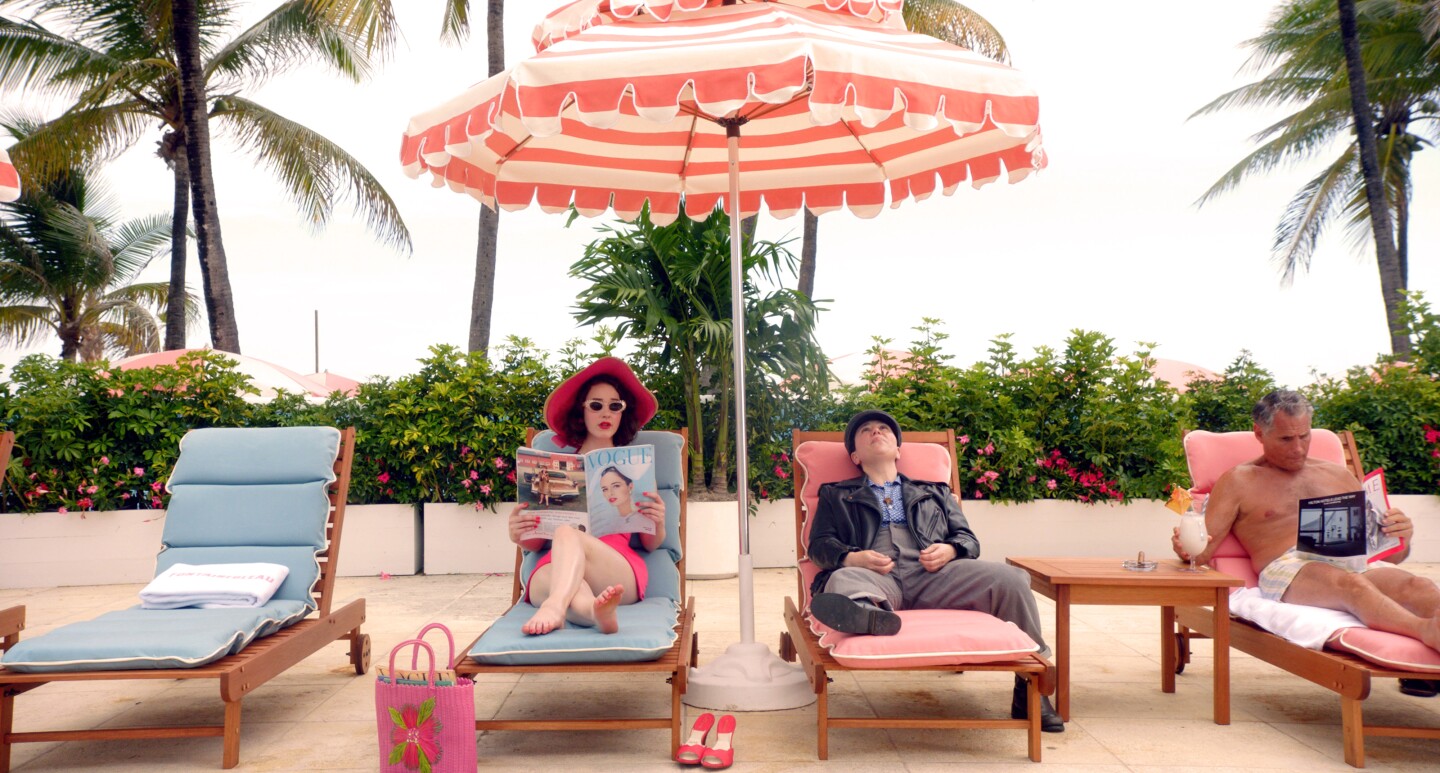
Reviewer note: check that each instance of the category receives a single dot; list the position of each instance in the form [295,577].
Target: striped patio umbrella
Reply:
[575,16]
[837,111]
[822,104]
[9,179]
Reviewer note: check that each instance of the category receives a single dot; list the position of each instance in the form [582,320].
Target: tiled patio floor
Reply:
[319,716]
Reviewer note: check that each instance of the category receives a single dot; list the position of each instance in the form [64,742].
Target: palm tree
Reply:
[67,267]
[1392,280]
[944,20]
[1303,53]
[374,21]
[117,61]
[671,284]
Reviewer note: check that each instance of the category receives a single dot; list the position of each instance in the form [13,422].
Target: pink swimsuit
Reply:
[621,544]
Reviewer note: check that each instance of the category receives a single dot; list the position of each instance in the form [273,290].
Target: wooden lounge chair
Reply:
[260,660]
[929,456]
[672,662]
[1346,675]
[12,622]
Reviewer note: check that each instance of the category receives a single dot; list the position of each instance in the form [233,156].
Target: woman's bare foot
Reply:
[544,621]
[606,602]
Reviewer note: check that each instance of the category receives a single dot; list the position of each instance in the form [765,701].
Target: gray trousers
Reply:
[984,586]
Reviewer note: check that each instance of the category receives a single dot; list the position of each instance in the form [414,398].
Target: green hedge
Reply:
[1083,422]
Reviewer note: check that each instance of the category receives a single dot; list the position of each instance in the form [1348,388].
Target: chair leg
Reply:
[822,718]
[676,709]
[1032,700]
[231,756]
[7,725]
[1352,721]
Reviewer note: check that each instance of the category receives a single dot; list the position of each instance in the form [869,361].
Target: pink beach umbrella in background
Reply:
[790,104]
[268,377]
[9,179]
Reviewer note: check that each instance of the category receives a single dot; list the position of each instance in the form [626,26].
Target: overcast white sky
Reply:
[1107,238]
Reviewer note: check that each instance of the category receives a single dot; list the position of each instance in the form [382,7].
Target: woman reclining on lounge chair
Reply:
[583,578]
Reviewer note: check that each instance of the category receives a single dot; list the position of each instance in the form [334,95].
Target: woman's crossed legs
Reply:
[565,587]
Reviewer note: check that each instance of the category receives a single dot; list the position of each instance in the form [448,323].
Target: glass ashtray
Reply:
[1139,565]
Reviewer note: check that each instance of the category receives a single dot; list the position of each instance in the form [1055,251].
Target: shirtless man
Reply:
[1259,501]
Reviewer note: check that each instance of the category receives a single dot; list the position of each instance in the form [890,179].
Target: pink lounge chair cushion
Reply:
[1212,454]
[1387,649]
[930,637]
[826,462]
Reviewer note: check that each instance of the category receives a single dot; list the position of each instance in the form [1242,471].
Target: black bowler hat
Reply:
[864,416]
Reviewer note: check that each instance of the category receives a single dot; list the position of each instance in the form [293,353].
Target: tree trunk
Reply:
[747,233]
[807,255]
[690,375]
[179,225]
[219,299]
[1386,258]
[720,476]
[1402,231]
[482,299]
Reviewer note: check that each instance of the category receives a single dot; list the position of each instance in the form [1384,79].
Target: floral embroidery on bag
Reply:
[415,736]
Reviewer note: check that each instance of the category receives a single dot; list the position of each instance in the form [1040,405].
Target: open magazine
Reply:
[1347,527]
[598,492]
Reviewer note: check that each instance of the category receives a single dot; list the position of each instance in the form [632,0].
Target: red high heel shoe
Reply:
[691,751]
[722,754]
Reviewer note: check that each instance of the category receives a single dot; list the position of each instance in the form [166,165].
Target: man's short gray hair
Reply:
[1286,401]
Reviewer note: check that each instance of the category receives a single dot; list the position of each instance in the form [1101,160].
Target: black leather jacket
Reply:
[847,517]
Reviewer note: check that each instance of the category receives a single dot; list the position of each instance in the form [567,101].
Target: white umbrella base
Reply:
[748,677]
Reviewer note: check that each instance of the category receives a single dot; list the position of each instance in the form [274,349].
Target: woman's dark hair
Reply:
[616,470]
[575,431]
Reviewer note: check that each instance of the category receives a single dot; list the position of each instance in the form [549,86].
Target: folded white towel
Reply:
[210,586]
[1310,627]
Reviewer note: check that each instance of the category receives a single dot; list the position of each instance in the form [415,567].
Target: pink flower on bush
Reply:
[155,502]
[63,510]
[1432,435]
[474,475]
[465,482]
[510,476]
[104,460]
[383,477]
[499,463]
[1051,484]
[85,503]
[464,450]
[484,488]
[139,472]
[979,495]
[781,473]
[156,486]
[988,449]
[42,489]
[964,439]
[1030,479]
[92,489]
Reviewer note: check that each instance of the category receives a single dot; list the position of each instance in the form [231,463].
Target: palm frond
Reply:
[24,324]
[136,243]
[1289,147]
[316,172]
[35,59]
[455,25]
[1308,213]
[370,21]
[954,23]
[80,137]
[292,35]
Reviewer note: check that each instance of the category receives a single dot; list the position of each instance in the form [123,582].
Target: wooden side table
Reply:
[1070,581]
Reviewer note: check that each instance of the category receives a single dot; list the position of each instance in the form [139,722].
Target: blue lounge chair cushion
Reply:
[137,639]
[647,631]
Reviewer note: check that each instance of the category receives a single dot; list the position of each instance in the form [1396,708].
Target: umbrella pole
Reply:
[748,676]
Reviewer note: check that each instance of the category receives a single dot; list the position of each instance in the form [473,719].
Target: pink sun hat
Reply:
[557,405]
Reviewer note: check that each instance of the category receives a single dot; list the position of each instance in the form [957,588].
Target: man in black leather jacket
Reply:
[886,543]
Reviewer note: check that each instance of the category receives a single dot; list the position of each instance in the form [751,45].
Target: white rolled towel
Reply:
[211,586]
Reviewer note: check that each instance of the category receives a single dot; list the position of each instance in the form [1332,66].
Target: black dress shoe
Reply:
[847,615]
[1050,721]
[1420,688]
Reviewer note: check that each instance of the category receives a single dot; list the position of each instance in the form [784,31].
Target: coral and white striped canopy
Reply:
[9,179]
[579,15]
[839,110]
